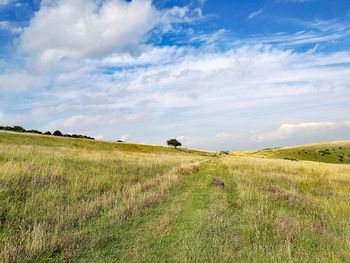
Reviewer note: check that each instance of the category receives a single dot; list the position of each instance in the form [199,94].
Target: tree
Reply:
[173,142]
[57,133]
[18,129]
[34,131]
[47,133]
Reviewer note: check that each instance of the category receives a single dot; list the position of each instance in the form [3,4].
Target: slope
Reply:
[327,152]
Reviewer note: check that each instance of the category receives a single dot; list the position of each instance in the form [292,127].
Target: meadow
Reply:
[64,199]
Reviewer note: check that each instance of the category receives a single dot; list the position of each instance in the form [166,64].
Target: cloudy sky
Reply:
[218,75]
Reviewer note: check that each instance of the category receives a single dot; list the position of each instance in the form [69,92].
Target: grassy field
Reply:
[77,200]
[328,152]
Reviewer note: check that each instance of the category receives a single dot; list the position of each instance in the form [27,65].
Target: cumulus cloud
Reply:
[95,29]
[87,28]
[284,131]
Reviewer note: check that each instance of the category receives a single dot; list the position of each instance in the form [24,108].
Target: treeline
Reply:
[55,133]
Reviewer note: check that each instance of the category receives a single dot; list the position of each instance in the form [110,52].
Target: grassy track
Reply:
[193,224]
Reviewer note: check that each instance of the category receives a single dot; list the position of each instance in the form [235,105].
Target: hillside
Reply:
[327,152]
[14,138]
[64,199]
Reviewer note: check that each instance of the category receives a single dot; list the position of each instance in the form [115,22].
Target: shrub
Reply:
[57,133]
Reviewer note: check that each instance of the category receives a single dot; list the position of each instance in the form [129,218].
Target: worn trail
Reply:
[196,222]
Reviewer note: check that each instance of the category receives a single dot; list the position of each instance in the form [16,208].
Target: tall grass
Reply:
[72,200]
[292,211]
[49,196]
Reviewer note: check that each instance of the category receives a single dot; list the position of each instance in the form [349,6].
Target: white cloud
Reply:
[195,93]
[315,32]
[107,76]
[87,28]
[124,137]
[5,25]
[93,122]
[179,138]
[99,137]
[20,81]
[12,119]
[209,40]
[255,14]
[284,131]
[95,29]
[4,2]
[219,141]
[298,1]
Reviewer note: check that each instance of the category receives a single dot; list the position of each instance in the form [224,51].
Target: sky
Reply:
[216,75]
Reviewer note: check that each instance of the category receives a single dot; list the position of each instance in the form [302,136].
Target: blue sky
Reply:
[218,75]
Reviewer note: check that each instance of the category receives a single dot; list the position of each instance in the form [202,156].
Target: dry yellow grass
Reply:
[76,200]
[293,211]
[48,194]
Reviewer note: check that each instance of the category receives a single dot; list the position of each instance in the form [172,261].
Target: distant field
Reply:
[330,152]
[12,138]
[85,201]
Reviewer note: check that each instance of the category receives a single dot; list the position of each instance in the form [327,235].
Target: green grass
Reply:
[193,224]
[329,152]
[76,200]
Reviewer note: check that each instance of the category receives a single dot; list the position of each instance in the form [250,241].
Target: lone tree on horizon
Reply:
[173,142]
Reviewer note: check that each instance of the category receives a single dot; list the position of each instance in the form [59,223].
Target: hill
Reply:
[14,138]
[327,152]
[64,199]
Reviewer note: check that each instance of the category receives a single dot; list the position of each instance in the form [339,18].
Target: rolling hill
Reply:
[64,199]
[327,152]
